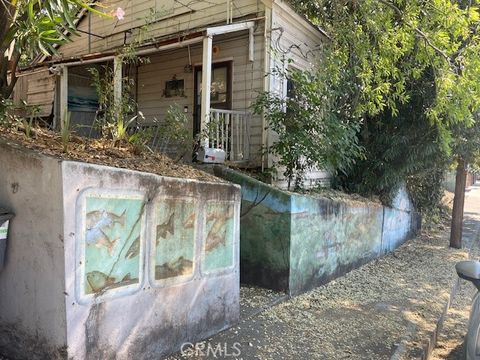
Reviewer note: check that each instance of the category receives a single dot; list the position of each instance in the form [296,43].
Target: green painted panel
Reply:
[219,231]
[112,242]
[175,240]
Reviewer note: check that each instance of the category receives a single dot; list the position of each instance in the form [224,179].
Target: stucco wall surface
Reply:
[107,263]
[32,306]
[311,239]
[165,295]
[329,238]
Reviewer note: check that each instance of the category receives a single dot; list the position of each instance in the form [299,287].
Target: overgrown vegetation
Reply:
[120,120]
[402,148]
[22,117]
[310,132]
[114,115]
[409,70]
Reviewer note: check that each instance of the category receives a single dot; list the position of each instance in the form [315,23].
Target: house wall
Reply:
[247,82]
[32,285]
[37,90]
[295,44]
[183,17]
[293,38]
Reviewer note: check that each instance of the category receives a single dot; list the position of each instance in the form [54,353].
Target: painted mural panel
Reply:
[219,230]
[112,250]
[174,248]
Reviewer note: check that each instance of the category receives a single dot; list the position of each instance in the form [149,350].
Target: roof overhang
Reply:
[166,44]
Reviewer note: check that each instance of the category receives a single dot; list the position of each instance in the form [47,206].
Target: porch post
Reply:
[63,95]
[117,80]
[206,85]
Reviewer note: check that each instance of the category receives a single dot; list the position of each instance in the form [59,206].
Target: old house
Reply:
[240,41]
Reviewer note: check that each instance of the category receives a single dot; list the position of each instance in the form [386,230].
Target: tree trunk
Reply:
[6,82]
[458,203]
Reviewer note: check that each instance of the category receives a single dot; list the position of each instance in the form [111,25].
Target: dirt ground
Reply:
[103,152]
[450,342]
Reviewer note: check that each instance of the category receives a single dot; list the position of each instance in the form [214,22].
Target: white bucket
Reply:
[212,156]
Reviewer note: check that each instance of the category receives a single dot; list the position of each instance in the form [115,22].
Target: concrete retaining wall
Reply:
[109,263]
[32,282]
[294,242]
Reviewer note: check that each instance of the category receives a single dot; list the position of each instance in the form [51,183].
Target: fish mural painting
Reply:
[113,244]
[174,243]
[97,221]
[219,234]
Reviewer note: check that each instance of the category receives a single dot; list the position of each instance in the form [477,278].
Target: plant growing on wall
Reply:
[379,50]
[114,116]
[309,131]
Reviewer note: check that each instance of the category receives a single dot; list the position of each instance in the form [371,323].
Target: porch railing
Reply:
[229,130]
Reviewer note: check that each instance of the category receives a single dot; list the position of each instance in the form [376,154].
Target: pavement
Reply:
[392,308]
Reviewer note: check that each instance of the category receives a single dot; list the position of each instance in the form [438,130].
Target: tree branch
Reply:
[6,18]
[417,30]
[7,88]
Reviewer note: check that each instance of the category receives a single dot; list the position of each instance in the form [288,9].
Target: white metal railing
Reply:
[229,130]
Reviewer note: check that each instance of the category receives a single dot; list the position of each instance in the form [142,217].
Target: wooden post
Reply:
[117,81]
[251,45]
[458,204]
[63,95]
[206,85]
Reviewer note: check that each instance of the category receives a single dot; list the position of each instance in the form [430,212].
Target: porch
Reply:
[216,106]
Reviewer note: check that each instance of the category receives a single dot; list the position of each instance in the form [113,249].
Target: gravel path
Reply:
[450,341]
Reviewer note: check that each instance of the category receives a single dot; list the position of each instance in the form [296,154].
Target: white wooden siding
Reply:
[182,19]
[247,82]
[293,39]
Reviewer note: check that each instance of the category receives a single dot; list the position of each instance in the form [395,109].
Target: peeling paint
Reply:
[295,242]
[55,302]
[182,249]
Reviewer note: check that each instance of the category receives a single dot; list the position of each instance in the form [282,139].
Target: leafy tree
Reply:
[29,28]
[378,47]
[411,70]
[466,150]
